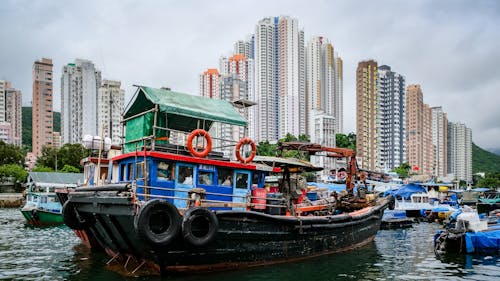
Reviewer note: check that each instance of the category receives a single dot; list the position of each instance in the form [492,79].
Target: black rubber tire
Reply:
[158,223]
[199,226]
[392,203]
[74,219]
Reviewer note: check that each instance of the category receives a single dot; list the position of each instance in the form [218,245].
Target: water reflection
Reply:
[55,253]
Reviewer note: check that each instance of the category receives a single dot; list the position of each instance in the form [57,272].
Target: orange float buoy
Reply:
[199,133]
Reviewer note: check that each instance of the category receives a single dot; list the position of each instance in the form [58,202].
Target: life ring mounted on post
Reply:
[193,150]
[242,142]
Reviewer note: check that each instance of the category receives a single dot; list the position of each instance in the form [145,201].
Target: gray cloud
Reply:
[450,48]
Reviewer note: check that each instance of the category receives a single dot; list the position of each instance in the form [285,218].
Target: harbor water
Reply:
[55,253]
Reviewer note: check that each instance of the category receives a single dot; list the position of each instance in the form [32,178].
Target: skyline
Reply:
[170,44]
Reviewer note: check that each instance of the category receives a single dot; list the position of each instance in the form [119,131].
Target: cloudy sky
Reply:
[450,48]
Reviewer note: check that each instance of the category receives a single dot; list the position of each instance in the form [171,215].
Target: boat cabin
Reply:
[167,153]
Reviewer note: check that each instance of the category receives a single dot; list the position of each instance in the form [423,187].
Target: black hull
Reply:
[243,238]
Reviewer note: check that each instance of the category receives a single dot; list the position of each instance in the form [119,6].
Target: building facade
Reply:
[266,79]
[366,115]
[80,82]
[460,151]
[323,81]
[323,128]
[440,141]
[291,78]
[11,113]
[42,114]
[111,102]
[391,115]
[210,83]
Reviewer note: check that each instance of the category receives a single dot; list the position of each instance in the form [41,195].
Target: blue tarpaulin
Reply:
[484,241]
[406,191]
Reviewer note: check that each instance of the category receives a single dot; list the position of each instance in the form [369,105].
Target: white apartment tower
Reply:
[322,131]
[111,100]
[391,118]
[266,80]
[460,151]
[80,83]
[439,132]
[323,82]
[13,114]
[291,78]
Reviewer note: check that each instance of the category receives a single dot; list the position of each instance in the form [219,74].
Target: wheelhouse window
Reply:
[139,168]
[205,177]
[242,181]
[225,177]
[130,171]
[164,170]
[123,170]
[185,175]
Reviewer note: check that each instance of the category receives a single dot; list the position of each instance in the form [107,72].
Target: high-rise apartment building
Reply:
[79,90]
[279,56]
[420,148]
[266,79]
[322,131]
[111,100]
[3,89]
[460,151]
[244,47]
[291,78]
[324,81]
[10,113]
[210,83]
[43,117]
[414,126]
[366,115]
[439,140]
[391,115]
[13,114]
[429,150]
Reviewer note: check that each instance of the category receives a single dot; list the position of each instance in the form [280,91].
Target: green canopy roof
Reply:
[189,110]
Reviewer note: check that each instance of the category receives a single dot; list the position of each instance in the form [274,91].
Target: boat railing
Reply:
[175,142]
[249,200]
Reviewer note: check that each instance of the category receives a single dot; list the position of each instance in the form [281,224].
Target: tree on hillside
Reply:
[69,169]
[68,154]
[491,180]
[10,154]
[346,141]
[15,173]
[264,148]
[403,170]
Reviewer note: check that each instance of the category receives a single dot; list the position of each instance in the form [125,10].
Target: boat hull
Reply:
[37,217]
[243,238]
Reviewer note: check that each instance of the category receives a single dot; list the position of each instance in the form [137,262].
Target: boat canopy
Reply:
[406,191]
[49,179]
[286,162]
[184,112]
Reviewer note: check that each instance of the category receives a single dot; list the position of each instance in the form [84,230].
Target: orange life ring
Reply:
[242,142]
[192,150]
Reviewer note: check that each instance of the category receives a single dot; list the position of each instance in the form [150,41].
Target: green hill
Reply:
[27,125]
[484,161]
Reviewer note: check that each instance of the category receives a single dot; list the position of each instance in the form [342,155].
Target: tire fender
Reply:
[199,226]
[158,223]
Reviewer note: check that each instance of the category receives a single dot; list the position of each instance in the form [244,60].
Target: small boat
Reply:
[417,202]
[173,206]
[468,234]
[396,219]
[42,207]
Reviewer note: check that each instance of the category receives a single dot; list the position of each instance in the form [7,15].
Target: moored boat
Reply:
[42,207]
[186,208]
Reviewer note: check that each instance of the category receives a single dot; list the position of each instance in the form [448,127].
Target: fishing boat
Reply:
[171,203]
[468,233]
[42,206]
